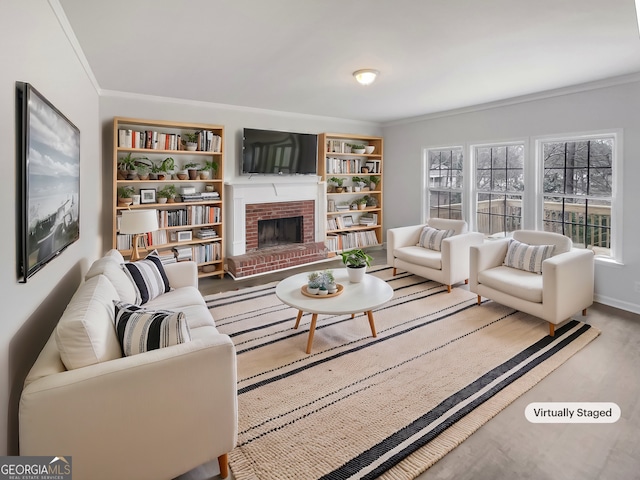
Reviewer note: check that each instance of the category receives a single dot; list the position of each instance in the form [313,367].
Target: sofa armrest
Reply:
[178,401]
[483,257]
[568,283]
[182,274]
[402,237]
[455,254]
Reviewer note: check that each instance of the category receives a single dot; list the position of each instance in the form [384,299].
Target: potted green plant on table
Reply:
[357,262]
[315,279]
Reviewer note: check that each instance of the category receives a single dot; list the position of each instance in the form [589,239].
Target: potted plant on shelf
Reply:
[168,193]
[362,203]
[374,181]
[358,183]
[128,165]
[357,262]
[191,142]
[210,169]
[337,181]
[192,169]
[168,165]
[371,201]
[125,196]
[143,171]
[357,148]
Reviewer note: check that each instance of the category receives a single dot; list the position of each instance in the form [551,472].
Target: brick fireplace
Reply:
[257,260]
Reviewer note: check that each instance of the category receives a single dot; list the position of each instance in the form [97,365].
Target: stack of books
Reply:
[183,254]
[207,233]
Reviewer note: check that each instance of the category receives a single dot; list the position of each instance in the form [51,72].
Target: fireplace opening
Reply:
[279,231]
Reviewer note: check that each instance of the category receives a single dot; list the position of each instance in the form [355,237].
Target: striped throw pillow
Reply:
[140,330]
[148,277]
[527,257]
[432,238]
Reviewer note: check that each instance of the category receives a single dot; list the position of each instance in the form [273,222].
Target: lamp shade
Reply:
[139,221]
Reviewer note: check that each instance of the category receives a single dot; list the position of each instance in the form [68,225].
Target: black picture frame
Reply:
[48,181]
[147,195]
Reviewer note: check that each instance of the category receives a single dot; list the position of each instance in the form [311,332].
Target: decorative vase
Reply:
[204,174]
[193,173]
[312,290]
[356,274]
[162,200]
[191,146]
[358,151]
[362,206]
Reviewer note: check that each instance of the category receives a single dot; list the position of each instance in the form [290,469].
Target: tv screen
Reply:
[49,186]
[279,153]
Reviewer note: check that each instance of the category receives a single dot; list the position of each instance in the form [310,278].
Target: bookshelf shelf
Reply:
[186,216]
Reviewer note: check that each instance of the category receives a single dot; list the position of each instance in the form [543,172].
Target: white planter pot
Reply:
[356,274]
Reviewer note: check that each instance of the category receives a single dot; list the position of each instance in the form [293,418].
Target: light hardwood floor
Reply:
[508,446]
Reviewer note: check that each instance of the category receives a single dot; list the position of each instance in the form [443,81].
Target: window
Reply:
[499,182]
[578,190]
[444,183]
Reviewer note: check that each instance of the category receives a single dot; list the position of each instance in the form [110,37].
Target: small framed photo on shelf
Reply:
[184,236]
[347,220]
[147,195]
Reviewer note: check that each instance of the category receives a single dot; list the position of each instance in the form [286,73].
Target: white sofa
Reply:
[448,266]
[564,287]
[154,415]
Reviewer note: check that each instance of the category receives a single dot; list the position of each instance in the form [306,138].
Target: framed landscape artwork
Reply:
[48,165]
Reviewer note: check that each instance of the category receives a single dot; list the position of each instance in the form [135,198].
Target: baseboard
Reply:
[612,302]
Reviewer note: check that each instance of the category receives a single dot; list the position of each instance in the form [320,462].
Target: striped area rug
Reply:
[386,407]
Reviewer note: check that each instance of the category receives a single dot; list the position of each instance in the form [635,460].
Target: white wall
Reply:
[36,50]
[607,108]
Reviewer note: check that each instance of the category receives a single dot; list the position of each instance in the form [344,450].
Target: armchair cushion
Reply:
[149,278]
[419,256]
[140,330]
[527,257]
[515,282]
[431,238]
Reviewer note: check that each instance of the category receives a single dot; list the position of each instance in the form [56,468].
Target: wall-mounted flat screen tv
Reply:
[271,152]
[48,165]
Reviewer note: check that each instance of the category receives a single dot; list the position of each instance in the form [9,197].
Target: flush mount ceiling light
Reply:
[366,76]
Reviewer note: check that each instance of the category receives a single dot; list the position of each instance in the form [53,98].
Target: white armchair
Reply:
[448,266]
[564,287]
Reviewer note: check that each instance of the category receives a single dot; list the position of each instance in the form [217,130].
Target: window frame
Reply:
[427,189]
[616,184]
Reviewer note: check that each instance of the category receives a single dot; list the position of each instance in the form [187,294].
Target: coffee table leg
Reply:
[312,330]
[298,319]
[371,324]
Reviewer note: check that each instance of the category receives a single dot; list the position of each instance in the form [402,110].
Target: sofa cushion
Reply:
[140,330]
[85,334]
[148,277]
[458,226]
[527,257]
[111,268]
[431,238]
[515,282]
[419,256]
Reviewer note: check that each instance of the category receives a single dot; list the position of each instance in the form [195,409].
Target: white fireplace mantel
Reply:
[245,192]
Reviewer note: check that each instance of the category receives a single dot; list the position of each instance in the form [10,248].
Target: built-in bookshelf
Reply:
[354,210]
[150,159]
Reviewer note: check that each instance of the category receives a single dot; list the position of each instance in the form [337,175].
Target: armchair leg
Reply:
[552,329]
[466,281]
[479,300]
[448,288]
[223,463]
[394,271]
[584,312]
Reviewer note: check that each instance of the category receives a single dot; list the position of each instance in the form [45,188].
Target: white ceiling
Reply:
[299,55]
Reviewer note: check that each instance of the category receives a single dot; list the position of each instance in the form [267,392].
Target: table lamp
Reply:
[138,223]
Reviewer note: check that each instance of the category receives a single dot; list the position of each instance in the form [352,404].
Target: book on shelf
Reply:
[208,141]
[183,254]
[349,240]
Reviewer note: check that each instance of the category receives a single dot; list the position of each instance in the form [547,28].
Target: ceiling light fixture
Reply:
[366,76]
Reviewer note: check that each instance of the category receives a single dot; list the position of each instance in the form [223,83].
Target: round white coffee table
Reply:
[355,297]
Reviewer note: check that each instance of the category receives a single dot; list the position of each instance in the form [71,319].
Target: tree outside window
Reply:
[445,182]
